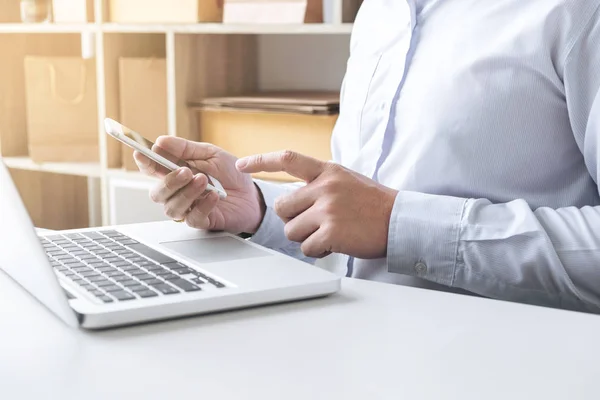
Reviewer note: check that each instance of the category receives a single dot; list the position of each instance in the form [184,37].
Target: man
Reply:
[467,154]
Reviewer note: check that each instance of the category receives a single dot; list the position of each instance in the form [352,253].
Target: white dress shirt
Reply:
[485,115]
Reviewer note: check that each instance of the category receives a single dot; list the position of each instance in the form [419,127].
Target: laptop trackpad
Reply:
[217,249]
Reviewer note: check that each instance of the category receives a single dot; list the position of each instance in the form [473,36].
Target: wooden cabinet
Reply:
[203,59]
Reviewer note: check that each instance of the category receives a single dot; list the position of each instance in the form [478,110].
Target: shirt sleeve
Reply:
[508,251]
[271,231]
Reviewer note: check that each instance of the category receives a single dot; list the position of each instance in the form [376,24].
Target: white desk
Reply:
[371,341]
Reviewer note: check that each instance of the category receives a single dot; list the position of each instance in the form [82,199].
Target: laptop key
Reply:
[170,277]
[112,288]
[146,294]
[129,283]
[114,273]
[103,253]
[97,292]
[144,263]
[122,252]
[185,285]
[121,264]
[138,288]
[165,289]
[122,295]
[137,259]
[153,282]
[110,233]
[89,274]
[94,279]
[198,281]
[121,278]
[144,277]
[107,268]
[81,269]
[162,272]
[72,261]
[93,235]
[129,256]
[106,299]
[136,273]
[104,283]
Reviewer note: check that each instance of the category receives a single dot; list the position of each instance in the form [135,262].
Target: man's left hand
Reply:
[338,210]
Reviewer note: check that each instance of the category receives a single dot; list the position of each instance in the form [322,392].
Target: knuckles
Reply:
[288,157]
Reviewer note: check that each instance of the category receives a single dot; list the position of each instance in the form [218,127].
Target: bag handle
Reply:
[53,90]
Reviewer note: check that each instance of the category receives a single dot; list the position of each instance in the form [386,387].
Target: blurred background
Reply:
[248,75]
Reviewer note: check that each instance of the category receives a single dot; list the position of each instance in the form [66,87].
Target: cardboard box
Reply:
[165,11]
[273,11]
[143,100]
[62,113]
[72,11]
[244,130]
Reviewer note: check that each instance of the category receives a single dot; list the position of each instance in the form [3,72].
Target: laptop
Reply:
[123,275]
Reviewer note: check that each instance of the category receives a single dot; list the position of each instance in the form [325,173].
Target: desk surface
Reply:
[370,341]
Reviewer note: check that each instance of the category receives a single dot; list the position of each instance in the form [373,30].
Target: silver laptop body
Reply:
[123,275]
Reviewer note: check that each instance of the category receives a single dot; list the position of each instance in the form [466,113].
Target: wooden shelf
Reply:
[199,60]
[250,29]
[91,170]
[46,28]
[208,28]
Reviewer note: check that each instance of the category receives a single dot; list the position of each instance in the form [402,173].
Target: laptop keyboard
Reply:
[114,267]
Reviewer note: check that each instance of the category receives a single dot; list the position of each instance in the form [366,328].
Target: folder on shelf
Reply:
[320,103]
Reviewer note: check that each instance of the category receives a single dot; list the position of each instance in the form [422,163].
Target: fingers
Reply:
[199,217]
[302,227]
[185,149]
[295,203]
[170,185]
[295,164]
[149,167]
[178,206]
[316,245]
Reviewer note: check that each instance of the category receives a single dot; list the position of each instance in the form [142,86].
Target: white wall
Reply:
[302,62]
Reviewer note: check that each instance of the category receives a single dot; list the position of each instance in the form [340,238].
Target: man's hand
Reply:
[184,195]
[337,211]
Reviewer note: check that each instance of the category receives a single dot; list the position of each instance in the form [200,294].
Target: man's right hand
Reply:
[184,195]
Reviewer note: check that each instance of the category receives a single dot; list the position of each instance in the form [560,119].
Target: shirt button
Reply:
[421,268]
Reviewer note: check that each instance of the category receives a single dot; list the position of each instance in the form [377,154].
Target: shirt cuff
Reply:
[423,236]
[270,233]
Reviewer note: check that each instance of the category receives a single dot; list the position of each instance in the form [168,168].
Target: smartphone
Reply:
[160,156]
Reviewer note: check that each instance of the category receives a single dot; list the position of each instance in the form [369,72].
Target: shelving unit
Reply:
[206,59]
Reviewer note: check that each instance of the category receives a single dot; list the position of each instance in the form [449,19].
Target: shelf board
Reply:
[206,28]
[213,28]
[46,28]
[92,170]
